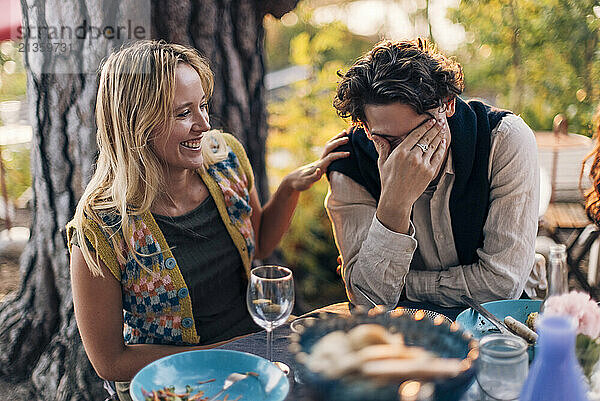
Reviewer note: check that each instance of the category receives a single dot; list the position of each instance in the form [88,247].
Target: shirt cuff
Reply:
[396,244]
[422,286]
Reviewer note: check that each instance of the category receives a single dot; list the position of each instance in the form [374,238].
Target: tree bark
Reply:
[39,341]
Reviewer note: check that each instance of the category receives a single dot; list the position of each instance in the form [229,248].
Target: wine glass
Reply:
[270,298]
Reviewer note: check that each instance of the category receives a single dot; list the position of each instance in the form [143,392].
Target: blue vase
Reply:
[555,374]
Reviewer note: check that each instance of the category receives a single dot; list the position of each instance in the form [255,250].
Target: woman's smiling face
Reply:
[179,149]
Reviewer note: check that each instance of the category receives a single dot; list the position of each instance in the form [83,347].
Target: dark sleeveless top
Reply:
[470,129]
[212,269]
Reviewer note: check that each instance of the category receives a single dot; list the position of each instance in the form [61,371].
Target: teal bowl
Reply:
[479,326]
[189,368]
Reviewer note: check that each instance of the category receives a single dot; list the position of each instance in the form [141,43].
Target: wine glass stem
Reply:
[269,344]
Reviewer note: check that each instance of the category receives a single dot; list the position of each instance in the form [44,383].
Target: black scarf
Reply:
[470,129]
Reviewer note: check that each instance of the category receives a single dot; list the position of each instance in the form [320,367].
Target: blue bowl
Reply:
[440,337]
[479,326]
[188,368]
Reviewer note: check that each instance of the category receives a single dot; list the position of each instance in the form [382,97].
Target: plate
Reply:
[479,326]
[188,368]
[446,340]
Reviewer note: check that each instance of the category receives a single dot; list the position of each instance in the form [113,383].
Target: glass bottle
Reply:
[557,271]
[555,374]
[502,367]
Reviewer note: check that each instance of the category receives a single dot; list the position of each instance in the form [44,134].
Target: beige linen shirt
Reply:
[382,262]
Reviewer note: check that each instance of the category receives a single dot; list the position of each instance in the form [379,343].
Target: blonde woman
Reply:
[164,234]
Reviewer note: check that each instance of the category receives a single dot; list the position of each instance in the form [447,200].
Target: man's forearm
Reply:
[374,257]
[379,267]
[481,282]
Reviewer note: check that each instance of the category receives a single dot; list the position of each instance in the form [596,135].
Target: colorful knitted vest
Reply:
[156,301]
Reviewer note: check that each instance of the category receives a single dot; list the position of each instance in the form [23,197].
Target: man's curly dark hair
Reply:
[410,72]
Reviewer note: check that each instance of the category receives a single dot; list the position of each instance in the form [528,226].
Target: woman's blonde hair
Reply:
[135,96]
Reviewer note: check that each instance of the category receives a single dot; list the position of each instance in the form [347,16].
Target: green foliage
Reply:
[291,44]
[536,57]
[13,84]
[13,87]
[588,353]
[13,80]
[299,126]
[16,160]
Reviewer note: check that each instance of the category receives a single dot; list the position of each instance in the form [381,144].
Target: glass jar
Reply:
[502,367]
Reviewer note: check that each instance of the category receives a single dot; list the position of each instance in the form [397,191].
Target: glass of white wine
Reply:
[270,298]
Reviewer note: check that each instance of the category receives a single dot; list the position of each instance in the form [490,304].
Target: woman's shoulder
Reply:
[107,222]
[98,224]
[95,231]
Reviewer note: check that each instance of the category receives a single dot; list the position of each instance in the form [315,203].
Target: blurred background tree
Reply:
[536,57]
[12,87]
[12,73]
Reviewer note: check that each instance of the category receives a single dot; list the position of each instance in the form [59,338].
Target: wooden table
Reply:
[572,216]
[566,215]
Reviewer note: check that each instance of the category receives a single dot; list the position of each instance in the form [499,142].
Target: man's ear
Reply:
[450,107]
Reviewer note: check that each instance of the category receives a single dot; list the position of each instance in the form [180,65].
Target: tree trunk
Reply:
[39,341]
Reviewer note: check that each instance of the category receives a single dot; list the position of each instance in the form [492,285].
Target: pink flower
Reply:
[578,305]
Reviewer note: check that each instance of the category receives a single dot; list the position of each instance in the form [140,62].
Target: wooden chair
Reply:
[566,212]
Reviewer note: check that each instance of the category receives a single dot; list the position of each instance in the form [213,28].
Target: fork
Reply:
[229,381]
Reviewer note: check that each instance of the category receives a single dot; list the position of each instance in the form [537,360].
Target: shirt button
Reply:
[170,263]
[187,322]
[182,293]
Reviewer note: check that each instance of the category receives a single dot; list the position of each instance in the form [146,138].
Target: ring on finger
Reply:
[423,146]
